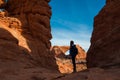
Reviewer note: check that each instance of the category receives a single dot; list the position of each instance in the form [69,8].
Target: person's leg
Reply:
[74,64]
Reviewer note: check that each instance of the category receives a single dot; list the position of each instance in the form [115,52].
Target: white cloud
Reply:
[80,33]
[58,41]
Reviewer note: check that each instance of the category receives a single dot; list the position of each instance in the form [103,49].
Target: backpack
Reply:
[73,51]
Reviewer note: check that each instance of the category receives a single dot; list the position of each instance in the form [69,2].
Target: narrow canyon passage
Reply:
[28,53]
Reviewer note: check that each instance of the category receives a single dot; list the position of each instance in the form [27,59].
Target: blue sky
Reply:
[73,20]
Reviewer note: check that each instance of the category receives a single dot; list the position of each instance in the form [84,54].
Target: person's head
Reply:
[71,42]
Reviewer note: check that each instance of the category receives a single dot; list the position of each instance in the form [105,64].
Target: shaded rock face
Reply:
[105,41]
[25,30]
[64,61]
[2,3]
[109,1]
[94,74]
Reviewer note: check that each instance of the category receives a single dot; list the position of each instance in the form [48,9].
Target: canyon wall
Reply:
[64,62]
[25,30]
[105,42]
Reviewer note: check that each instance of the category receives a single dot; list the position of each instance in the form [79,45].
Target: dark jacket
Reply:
[73,51]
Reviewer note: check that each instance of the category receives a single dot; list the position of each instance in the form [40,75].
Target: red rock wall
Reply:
[64,61]
[2,3]
[28,21]
[59,51]
[105,41]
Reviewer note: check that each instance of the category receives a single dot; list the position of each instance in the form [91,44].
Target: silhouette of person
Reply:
[73,53]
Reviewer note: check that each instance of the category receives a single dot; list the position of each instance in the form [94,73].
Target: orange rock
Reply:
[105,41]
[64,62]
[25,34]
[2,3]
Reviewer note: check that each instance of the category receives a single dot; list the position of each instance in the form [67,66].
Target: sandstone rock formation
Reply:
[105,42]
[24,44]
[59,51]
[93,74]
[64,61]
[2,3]
[25,36]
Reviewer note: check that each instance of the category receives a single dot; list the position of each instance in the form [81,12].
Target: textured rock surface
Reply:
[25,36]
[94,74]
[24,43]
[64,61]
[2,3]
[105,42]
[61,50]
